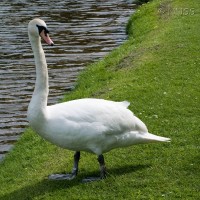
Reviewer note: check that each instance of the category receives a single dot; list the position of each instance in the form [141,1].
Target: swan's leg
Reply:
[76,161]
[102,171]
[73,173]
[102,166]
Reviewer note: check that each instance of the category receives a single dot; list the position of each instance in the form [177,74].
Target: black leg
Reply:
[102,171]
[73,173]
[76,161]
[102,166]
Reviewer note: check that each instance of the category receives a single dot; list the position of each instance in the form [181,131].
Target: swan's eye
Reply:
[41,28]
[46,31]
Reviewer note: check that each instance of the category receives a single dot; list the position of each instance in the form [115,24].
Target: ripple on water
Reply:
[82,32]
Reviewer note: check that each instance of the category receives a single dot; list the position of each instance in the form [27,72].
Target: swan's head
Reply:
[38,28]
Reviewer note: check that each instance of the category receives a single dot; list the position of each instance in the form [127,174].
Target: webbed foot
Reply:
[102,171]
[62,176]
[91,179]
[68,176]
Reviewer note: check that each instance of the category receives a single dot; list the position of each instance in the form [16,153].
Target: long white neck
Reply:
[38,104]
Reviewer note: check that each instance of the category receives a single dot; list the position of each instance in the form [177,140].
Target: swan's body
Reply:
[92,125]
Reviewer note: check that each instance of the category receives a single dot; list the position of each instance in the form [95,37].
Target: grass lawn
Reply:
[158,71]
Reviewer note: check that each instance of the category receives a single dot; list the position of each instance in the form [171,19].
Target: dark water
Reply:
[83,31]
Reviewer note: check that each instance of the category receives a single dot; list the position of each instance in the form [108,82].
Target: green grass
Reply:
[157,70]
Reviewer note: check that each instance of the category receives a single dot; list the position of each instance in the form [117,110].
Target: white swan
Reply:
[92,125]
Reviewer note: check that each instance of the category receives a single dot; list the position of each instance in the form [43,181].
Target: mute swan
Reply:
[91,125]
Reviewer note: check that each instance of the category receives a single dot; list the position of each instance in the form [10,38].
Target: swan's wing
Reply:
[125,103]
[106,116]
[92,124]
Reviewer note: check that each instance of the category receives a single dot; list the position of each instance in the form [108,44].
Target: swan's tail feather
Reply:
[154,138]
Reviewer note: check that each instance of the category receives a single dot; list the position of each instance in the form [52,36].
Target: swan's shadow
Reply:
[47,186]
[126,169]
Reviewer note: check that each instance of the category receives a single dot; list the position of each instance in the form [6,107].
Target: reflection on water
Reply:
[82,32]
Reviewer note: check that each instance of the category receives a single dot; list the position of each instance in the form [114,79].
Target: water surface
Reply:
[83,31]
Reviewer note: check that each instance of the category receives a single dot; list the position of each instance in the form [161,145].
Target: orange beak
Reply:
[46,38]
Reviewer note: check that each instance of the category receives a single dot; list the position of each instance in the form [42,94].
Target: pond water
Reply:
[83,31]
